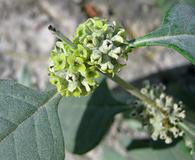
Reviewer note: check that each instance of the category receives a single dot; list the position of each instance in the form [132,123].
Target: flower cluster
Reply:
[162,122]
[107,43]
[69,72]
[97,46]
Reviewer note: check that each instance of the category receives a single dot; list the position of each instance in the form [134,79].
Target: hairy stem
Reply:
[135,92]
[60,36]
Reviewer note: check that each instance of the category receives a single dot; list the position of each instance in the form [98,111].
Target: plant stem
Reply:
[186,128]
[135,92]
[60,36]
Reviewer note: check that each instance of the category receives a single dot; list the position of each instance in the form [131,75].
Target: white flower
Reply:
[115,53]
[86,84]
[118,38]
[168,140]
[96,56]
[72,86]
[106,46]
[106,66]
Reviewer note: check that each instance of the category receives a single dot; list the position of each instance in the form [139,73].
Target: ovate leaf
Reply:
[29,124]
[177,31]
[86,120]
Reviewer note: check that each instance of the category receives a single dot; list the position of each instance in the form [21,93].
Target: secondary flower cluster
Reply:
[98,45]
[162,122]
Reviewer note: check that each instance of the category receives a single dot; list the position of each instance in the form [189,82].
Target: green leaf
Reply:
[155,152]
[177,32]
[164,5]
[86,120]
[109,153]
[29,124]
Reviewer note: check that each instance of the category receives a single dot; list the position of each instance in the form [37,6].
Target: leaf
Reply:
[109,153]
[164,5]
[86,120]
[155,152]
[177,32]
[29,124]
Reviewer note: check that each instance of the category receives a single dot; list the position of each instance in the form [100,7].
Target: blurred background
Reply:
[25,43]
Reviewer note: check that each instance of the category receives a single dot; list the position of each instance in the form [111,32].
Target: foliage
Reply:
[177,31]
[29,124]
[94,116]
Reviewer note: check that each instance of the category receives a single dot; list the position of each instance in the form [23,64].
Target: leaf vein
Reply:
[30,115]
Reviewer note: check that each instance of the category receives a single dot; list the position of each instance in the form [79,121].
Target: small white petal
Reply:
[106,46]
[72,86]
[118,38]
[107,65]
[115,52]
[86,85]
[96,56]
[168,140]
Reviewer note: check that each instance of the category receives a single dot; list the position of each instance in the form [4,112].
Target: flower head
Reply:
[98,45]
[107,43]
[163,122]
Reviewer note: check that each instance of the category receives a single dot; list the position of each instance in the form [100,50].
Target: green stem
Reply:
[135,92]
[131,43]
[60,36]
[140,42]
[186,128]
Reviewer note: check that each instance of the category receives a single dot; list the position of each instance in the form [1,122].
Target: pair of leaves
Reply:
[177,31]
[30,127]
